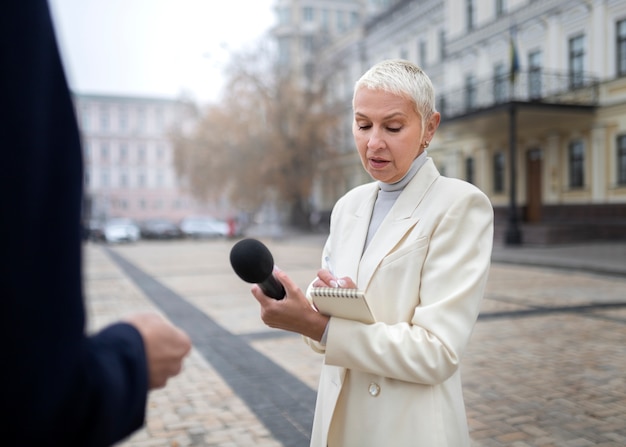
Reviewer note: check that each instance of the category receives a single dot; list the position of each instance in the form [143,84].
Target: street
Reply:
[545,366]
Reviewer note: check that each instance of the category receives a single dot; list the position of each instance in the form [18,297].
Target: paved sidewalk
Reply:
[604,257]
[598,257]
[544,367]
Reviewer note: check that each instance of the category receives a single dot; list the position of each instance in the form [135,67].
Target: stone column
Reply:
[596,168]
[553,170]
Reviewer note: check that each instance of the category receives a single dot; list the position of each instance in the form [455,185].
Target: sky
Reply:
[161,48]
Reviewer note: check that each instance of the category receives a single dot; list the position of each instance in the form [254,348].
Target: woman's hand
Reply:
[325,278]
[293,313]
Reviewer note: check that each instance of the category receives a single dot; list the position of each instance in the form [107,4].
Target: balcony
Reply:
[531,87]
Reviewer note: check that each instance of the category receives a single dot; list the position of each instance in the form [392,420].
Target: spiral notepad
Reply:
[342,303]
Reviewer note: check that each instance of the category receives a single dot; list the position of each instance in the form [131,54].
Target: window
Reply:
[498,172]
[469,169]
[500,8]
[141,119]
[123,152]
[423,53]
[341,21]
[576,164]
[307,14]
[104,151]
[354,21]
[534,74]
[471,11]
[104,118]
[123,118]
[141,153]
[325,19]
[441,107]
[104,178]
[307,44]
[442,44]
[470,92]
[621,48]
[84,119]
[158,117]
[500,83]
[621,160]
[309,71]
[576,61]
[284,55]
[284,16]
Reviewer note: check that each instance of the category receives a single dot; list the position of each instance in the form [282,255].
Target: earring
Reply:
[425,145]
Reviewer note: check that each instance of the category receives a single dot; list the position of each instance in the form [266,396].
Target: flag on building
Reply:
[513,57]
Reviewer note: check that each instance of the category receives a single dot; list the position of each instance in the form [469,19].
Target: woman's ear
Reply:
[432,125]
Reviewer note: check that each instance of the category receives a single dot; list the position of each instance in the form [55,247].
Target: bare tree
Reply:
[263,140]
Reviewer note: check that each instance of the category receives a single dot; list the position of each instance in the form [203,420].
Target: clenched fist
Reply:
[166,346]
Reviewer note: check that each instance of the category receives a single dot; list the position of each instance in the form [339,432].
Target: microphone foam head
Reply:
[251,260]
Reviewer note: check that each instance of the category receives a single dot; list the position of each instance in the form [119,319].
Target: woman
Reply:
[419,244]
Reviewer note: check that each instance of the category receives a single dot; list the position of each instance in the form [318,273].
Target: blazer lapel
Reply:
[401,219]
[353,235]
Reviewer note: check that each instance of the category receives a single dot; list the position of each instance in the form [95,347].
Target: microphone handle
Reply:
[273,288]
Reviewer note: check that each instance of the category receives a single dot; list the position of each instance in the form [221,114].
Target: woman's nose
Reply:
[375,140]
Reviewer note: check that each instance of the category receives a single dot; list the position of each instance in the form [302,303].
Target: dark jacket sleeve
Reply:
[58,386]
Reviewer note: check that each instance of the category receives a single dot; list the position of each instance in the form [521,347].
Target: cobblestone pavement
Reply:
[545,366]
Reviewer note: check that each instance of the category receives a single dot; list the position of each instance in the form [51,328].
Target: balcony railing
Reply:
[535,86]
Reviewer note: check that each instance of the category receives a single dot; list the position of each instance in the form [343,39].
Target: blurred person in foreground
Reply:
[419,244]
[60,387]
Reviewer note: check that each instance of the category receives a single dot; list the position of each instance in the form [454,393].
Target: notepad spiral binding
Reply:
[336,292]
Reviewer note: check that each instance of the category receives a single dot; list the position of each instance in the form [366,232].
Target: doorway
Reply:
[533,185]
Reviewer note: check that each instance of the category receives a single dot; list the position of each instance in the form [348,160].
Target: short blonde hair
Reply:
[403,78]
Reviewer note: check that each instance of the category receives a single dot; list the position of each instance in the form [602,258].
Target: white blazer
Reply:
[396,382]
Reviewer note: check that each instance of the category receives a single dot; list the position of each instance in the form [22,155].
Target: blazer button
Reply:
[374,389]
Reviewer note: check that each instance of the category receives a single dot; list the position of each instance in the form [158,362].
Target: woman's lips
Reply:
[378,163]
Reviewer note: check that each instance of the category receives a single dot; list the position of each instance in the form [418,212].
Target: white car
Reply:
[120,230]
[203,227]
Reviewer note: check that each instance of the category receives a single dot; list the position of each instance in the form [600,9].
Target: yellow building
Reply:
[533,102]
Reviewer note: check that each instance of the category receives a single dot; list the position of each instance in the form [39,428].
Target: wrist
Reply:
[317,326]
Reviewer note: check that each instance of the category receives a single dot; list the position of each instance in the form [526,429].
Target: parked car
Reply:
[120,230]
[203,227]
[159,229]
[93,230]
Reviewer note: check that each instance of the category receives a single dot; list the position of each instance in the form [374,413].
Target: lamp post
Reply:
[513,234]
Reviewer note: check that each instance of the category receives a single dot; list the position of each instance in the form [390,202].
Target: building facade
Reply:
[129,158]
[533,102]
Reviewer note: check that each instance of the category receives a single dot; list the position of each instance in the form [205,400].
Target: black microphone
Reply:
[253,262]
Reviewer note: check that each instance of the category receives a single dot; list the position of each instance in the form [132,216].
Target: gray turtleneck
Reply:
[387,195]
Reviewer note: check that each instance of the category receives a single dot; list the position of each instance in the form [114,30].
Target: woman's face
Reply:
[388,133]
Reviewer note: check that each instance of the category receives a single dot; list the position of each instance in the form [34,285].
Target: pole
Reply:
[513,234]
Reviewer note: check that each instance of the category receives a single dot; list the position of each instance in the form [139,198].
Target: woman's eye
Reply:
[365,127]
[394,129]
